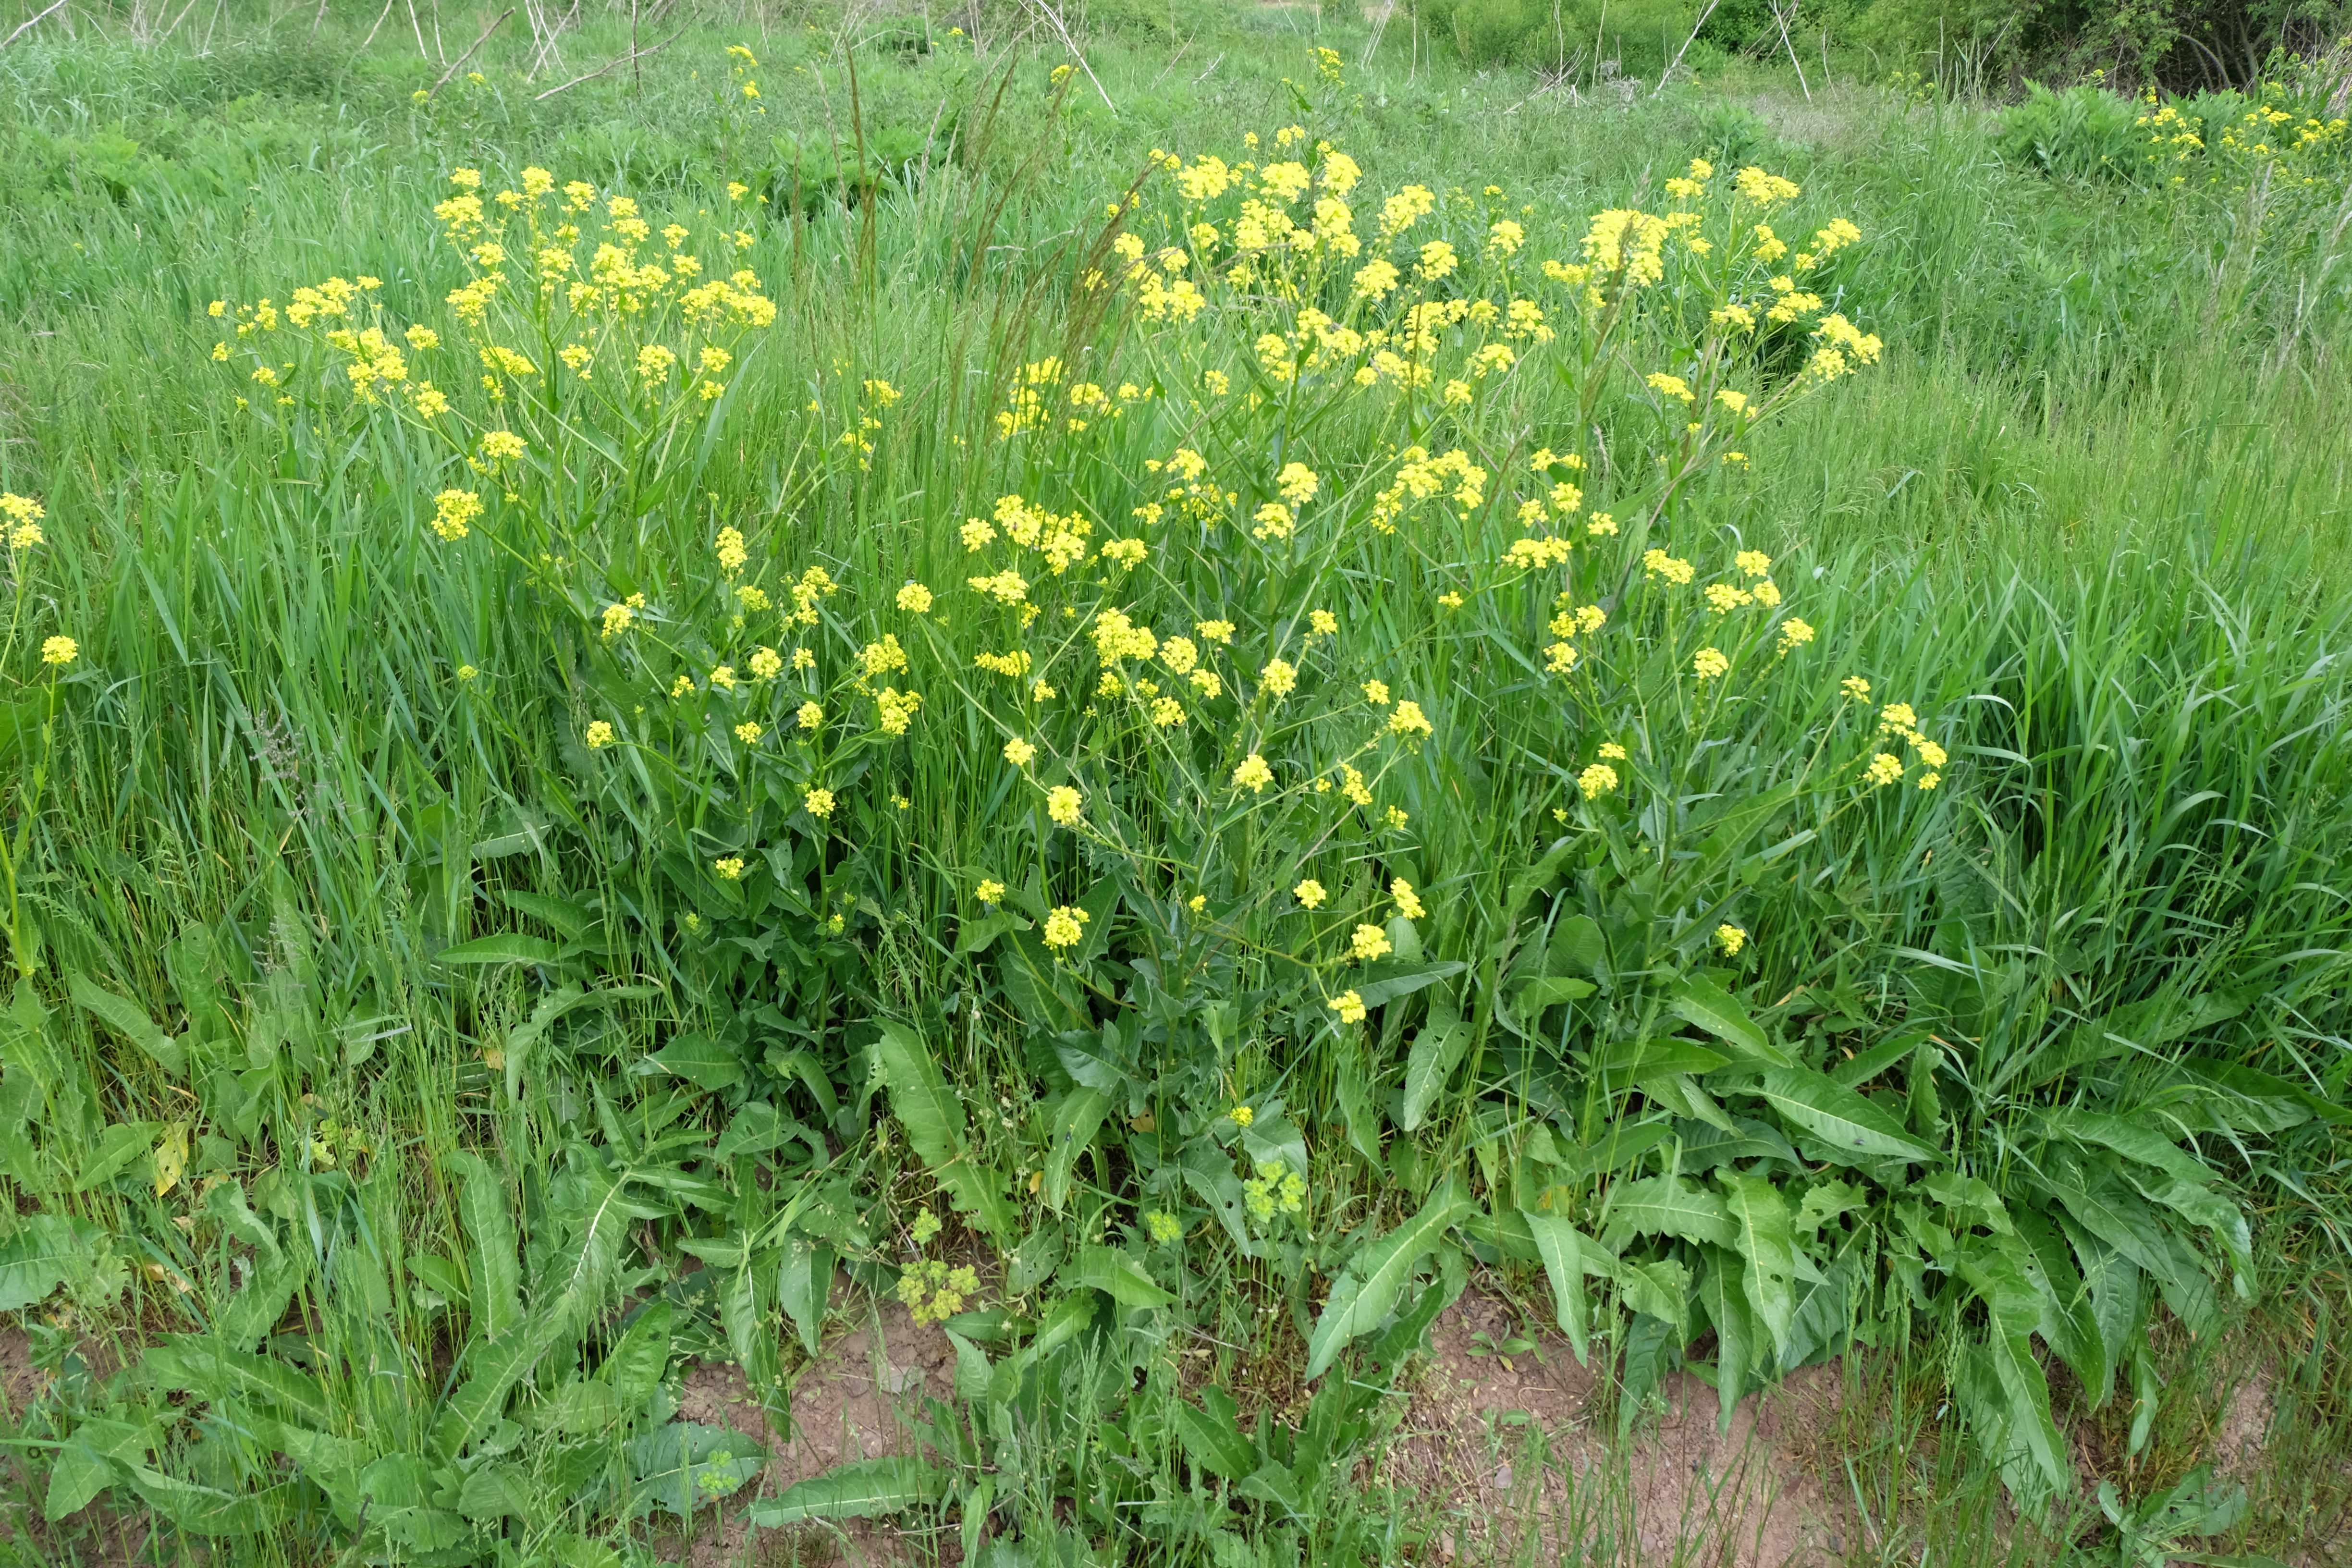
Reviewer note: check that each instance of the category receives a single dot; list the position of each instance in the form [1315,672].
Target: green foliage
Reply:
[392,1051]
[2084,134]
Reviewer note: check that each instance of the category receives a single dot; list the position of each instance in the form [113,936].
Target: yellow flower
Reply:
[1019,752]
[1309,894]
[1064,926]
[1754,562]
[60,651]
[1252,775]
[1062,803]
[1898,716]
[453,510]
[818,802]
[766,665]
[1731,939]
[1708,663]
[467,673]
[729,868]
[990,891]
[1856,688]
[1368,943]
[724,677]
[599,736]
[915,599]
[1164,1227]
[1658,563]
[1214,631]
[1883,770]
[1396,819]
[1243,1115]
[731,551]
[1597,780]
[499,445]
[1407,719]
[1349,1005]
[1929,781]
[747,733]
[1279,677]
[1795,633]
[1408,902]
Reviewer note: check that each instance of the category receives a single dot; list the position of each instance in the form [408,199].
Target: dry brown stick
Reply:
[469,55]
[631,57]
[12,37]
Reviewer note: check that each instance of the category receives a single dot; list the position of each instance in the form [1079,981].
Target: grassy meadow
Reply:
[1166,689]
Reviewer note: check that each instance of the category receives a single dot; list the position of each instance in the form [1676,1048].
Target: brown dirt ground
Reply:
[1688,1492]
[859,1399]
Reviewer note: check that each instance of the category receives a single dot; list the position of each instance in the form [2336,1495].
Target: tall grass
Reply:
[2084,520]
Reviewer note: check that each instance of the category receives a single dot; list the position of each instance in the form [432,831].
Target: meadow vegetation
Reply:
[1158,684]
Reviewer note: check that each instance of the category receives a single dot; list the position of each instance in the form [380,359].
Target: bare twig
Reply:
[1668,74]
[23,26]
[469,55]
[629,59]
[379,23]
[1782,18]
[1054,15]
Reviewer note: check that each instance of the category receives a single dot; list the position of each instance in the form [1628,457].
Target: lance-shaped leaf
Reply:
[1377,1274]
[1842,1119]
[863,1489]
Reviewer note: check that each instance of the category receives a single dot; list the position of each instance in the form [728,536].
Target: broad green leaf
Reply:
[489,1224]
[1385,983]
[1561,1247]
[863,1489]
[2133,1139]
[506,947]
[204,1366]
[697,1058]
[2010,1398]
[1436,1051]
[1627,1060]
[1537,994]
[804,1285]
[1212,1442]
[495,1491]
[1363,1295]
[1667,1206]
[1660,1288]
[129,1020]
[120,1146]
[1840,1117]
[496,1367]
[934,1119]
[1062,1324]
[1116,1275]
[76,1477]
[1273,1483]
[209,1511]
[1702,1002]
[1759,1220]
[682,1464]
[35,1259]
[635,1364]
[569,920]
[1724,1292]
[1076,1118]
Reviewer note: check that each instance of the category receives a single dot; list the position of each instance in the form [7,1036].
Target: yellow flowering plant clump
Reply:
[550,381]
